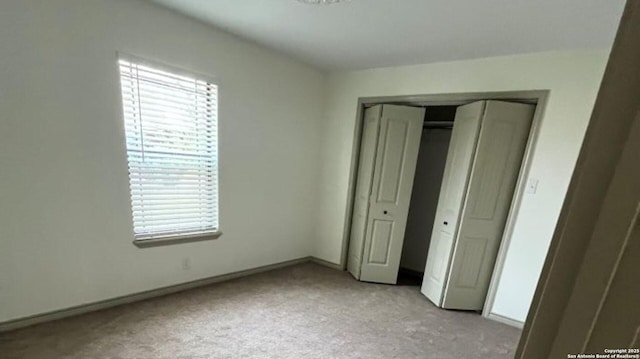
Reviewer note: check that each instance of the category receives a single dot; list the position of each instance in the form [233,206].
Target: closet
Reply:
[482,165]
[432,158]
[389,150]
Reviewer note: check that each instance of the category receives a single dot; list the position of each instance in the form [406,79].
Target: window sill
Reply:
[167,241]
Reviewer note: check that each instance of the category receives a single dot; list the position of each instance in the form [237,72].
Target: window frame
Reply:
[171,238]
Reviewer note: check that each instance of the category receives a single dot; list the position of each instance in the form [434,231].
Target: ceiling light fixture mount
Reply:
[321,2]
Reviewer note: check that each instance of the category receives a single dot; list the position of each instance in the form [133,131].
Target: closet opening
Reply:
[436,184]
[432,157]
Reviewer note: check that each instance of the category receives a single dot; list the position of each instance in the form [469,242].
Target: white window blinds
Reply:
[171,136]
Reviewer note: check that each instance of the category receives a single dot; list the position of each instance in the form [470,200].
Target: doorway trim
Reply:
[539,97]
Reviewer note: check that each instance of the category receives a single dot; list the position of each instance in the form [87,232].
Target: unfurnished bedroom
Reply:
[319,179]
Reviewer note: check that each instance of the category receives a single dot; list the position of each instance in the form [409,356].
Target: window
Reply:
[171,136]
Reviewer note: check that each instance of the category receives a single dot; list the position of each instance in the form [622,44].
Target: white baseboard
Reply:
[505,320]
[326,263]
[135,297]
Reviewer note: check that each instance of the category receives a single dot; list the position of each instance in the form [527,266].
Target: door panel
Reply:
[380,241]
[440,264]
[503,137]
[452,194]
[363,188]
[472,252]
[392,160]
[396,156]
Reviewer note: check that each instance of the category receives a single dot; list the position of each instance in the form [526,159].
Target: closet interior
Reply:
[432,158]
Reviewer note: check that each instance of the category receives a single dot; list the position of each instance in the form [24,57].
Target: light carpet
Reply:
[302,311]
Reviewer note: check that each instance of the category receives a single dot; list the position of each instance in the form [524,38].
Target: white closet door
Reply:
[503,137]
[396,156]
[452,194]
[363,188]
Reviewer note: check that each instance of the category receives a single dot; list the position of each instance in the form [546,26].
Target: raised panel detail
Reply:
[380,242]
[473,255]
[392,160]
[367,156]
[441,262]
[491,169]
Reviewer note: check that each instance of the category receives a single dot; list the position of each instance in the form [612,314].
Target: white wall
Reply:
[573,78]
[432,159]
[65,226]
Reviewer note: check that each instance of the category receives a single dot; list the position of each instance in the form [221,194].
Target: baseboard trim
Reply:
[135,297]
[322,262]
[505,320]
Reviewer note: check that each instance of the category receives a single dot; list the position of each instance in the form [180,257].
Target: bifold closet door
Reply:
[395,157]
[364,181]
[501,145]
[452,194]
[480,176]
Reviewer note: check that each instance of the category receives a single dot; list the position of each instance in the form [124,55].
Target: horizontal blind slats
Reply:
[171,138]
[191,232]
[171,144]
[171,126]
[179,217]
[181,82]
[168,205]
[137,72]
[168,223]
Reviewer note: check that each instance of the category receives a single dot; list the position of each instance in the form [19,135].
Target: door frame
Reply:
[538,97]
[581,263]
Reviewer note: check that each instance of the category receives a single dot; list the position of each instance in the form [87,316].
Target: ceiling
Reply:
[362,34]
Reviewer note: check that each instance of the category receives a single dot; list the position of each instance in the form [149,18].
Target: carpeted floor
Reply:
[303,311]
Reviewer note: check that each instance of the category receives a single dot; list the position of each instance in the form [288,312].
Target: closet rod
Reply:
[438,124]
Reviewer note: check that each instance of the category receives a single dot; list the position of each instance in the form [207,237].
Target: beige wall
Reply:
[573,79]
[65,225]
